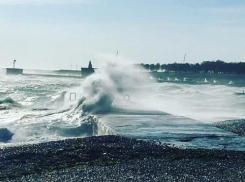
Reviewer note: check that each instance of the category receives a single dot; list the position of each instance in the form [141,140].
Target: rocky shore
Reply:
[115,158]
[235,126]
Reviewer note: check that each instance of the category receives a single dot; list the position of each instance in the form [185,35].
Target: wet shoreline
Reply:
[115,158]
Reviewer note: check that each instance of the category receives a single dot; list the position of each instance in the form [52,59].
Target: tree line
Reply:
[215,67]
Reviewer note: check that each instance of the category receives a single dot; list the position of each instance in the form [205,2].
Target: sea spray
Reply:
[105,89]
[115,85]
[87,126]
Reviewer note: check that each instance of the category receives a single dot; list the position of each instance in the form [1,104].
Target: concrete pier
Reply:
[14,71]
[180,131]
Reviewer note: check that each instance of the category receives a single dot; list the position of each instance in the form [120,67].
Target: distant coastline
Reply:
[208,67]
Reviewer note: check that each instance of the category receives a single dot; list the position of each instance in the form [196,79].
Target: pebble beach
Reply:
[116,158]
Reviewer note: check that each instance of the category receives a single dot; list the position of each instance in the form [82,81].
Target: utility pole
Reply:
[14,64]
[184,58]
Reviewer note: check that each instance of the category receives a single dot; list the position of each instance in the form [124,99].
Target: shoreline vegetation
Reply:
[210,67]
[116,158]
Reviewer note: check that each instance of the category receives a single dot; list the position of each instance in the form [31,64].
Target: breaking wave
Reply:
[8,103]
[112,88]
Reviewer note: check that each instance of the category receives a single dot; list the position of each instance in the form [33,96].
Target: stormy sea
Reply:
[121,123]
[121,100]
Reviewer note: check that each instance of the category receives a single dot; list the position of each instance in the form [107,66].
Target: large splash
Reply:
[112,88]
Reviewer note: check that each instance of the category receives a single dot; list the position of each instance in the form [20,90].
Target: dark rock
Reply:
[5,135]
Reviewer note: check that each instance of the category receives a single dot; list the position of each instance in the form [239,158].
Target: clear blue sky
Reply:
[54,34]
